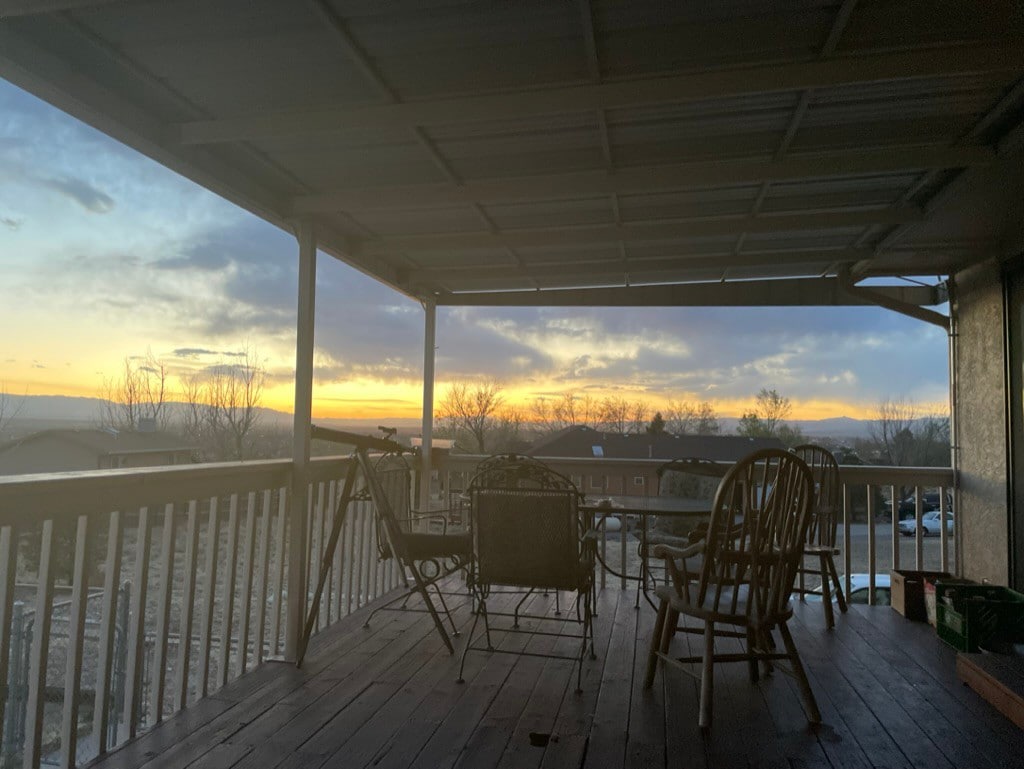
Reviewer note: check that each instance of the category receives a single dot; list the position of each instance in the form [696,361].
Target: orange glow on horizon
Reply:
[367,399]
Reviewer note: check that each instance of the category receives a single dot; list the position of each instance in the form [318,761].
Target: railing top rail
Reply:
[24,499]
[881,475]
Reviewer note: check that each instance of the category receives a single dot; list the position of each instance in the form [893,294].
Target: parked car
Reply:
[929,502]
[931,524]
[860,584]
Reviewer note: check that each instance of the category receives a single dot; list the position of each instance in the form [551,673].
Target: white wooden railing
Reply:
[865,549]
[173,582]
[126,595]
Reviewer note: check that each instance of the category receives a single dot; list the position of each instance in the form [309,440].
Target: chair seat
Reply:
[820,550]
[423,546]
[724,612]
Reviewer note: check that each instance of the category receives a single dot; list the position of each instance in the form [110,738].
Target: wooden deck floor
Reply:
[387,697]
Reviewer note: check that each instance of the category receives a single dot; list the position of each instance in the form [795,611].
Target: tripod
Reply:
[362,444]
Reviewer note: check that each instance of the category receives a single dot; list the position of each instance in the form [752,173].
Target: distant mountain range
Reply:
[42,411]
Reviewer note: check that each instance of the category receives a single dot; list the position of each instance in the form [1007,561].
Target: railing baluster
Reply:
[368,558]
[8,575]
[163,613]
[279,556]
[112,567]
[943,534]
[228,615]
[349,531]
[311,573]
[317,555]
[847,526]
[338,565]
[76,638]
[188,600]
[622,549]
[206,623]
[246,599]
[137,630]
[40,650]
[262,575]
[872,565]
[357,533]
[918,528]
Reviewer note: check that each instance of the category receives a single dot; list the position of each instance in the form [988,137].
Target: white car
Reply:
[931,524]
[860,584]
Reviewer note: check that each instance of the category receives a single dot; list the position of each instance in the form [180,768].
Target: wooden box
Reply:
[907,589]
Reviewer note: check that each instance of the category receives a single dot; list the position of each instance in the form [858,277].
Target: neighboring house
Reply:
[633,473]
[51,451]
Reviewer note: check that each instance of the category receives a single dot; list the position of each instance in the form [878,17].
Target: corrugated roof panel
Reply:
[688,203]
[560,213]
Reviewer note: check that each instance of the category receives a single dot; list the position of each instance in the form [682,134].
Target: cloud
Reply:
[191,352]
[186,271]
[80,191]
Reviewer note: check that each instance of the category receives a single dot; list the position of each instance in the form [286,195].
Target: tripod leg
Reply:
[325,564]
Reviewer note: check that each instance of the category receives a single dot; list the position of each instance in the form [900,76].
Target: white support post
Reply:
[429,339]
[300,449]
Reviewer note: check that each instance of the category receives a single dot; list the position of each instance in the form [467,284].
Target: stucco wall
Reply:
[981,425]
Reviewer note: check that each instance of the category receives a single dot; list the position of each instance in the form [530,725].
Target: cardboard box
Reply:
[907,589]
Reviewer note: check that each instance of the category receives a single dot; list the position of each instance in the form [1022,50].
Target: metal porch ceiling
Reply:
[572,152]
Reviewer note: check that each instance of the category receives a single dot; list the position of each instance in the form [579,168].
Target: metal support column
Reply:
[300,448]
[429,348]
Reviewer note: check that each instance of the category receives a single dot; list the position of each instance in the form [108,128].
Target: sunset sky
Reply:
[107,255]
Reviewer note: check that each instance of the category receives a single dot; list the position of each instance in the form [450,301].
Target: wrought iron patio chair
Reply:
[820,547]
[528,534]
[750,556]
[689,484]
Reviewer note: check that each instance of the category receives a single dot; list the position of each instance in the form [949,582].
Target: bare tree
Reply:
[766,418]
[638,417]
[542,414]
[10,408]
[685,418]
[902,437]
[233,394]
[574,409]
[892,430]
[618,415]
[469,410]
[139,393]
[220,411]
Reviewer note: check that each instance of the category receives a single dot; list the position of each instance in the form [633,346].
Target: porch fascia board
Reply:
[796,292]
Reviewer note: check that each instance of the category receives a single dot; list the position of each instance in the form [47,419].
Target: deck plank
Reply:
[386,696]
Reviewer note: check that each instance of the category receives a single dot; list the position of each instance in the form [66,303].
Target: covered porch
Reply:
[386,696]
[541,154]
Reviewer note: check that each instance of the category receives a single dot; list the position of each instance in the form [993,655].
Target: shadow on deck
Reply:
[387,697]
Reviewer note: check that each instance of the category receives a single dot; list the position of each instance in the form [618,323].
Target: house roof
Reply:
[642,153]
[106,442]
[580,441]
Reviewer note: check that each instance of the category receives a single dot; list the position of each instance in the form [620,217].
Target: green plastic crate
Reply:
[968,615]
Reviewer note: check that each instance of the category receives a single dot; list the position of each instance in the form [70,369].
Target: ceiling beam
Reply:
[631,233]
[716,84]
[11,8]
[635,268]
[647,179]
[795,292]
